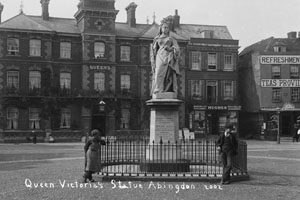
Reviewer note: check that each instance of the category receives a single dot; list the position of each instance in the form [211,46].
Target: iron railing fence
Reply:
[185,158]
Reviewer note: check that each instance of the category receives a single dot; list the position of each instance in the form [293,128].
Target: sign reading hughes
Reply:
[280,59]
[280,82]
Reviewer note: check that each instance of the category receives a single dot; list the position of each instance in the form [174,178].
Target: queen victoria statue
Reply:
[164,62]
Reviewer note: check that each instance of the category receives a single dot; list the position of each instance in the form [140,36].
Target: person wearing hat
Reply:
[92,149]
[227,145]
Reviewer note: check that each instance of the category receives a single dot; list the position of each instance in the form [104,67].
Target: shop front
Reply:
[207,121]
[284,121]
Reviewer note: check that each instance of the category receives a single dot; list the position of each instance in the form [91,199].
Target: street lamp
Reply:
[101,106]
[278,132]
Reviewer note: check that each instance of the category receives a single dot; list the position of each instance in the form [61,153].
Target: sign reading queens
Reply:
[279,59]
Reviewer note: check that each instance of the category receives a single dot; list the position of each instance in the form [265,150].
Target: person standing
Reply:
[227,145]
[92,150]
[295,133]
[298,135]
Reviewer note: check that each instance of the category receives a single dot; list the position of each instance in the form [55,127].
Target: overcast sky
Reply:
[248,21]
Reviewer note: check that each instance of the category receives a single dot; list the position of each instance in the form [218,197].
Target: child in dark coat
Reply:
[92,150]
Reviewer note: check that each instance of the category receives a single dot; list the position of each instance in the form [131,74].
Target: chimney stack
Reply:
[131,14]
[45,9]
[1,9]
[292,35]
[176,19]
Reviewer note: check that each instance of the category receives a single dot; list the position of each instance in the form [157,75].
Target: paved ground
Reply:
[54,171]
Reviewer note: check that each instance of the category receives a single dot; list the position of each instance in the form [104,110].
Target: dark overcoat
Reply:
[92,151]
[233,140]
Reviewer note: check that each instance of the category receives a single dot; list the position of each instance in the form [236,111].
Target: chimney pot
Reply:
[176,19]
[1,9]
[45,9]
[131,21]
[292,35]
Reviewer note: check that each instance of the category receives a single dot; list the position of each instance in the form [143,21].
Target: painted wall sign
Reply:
[99,67]
[280,82]
[280,59]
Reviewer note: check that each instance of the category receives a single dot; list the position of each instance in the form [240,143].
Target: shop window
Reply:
[99,81]
[212,62]
[295,94]
[228,62]
[35,47]
[276,72]
[12,118]
[65,80]
[65,121]
[294,72]
[197,121]
[125,118]
[99,49]
[13,79]
[276,95]
[225,118]
[196,60]
[197,89]
[13,46]
[65,50]
[34,118]
[34,80]
[125,53]
[125,82]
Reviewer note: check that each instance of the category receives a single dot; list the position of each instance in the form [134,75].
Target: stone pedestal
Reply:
[163,153]
[164,120]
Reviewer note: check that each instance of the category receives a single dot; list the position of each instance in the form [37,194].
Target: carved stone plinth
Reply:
[163,153]
[164,120]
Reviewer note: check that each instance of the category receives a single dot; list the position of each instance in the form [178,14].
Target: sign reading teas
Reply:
[280,59]
[280,82]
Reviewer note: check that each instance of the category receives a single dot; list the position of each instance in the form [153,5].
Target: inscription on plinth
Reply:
[164,125]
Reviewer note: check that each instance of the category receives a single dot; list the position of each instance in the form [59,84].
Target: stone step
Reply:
[286,139]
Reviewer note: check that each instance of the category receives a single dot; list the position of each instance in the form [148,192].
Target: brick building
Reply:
[270,86]
[55,71]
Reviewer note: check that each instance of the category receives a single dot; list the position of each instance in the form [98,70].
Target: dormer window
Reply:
[279,49]
[207,34]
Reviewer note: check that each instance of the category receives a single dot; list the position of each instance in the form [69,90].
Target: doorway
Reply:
[98,122]
[213,122]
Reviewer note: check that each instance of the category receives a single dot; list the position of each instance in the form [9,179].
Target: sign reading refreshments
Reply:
[280,59]
[280,82]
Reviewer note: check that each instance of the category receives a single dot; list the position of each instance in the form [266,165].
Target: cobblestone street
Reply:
[54,171]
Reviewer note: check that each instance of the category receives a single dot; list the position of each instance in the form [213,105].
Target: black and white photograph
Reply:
[149,100]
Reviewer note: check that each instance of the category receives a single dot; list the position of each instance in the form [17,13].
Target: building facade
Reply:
[56,71]
[270,87]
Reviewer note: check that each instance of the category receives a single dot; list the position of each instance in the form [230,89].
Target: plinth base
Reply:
[159,166]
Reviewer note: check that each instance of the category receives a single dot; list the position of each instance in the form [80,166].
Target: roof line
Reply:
[49,29]
[51,17]
[204,25]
